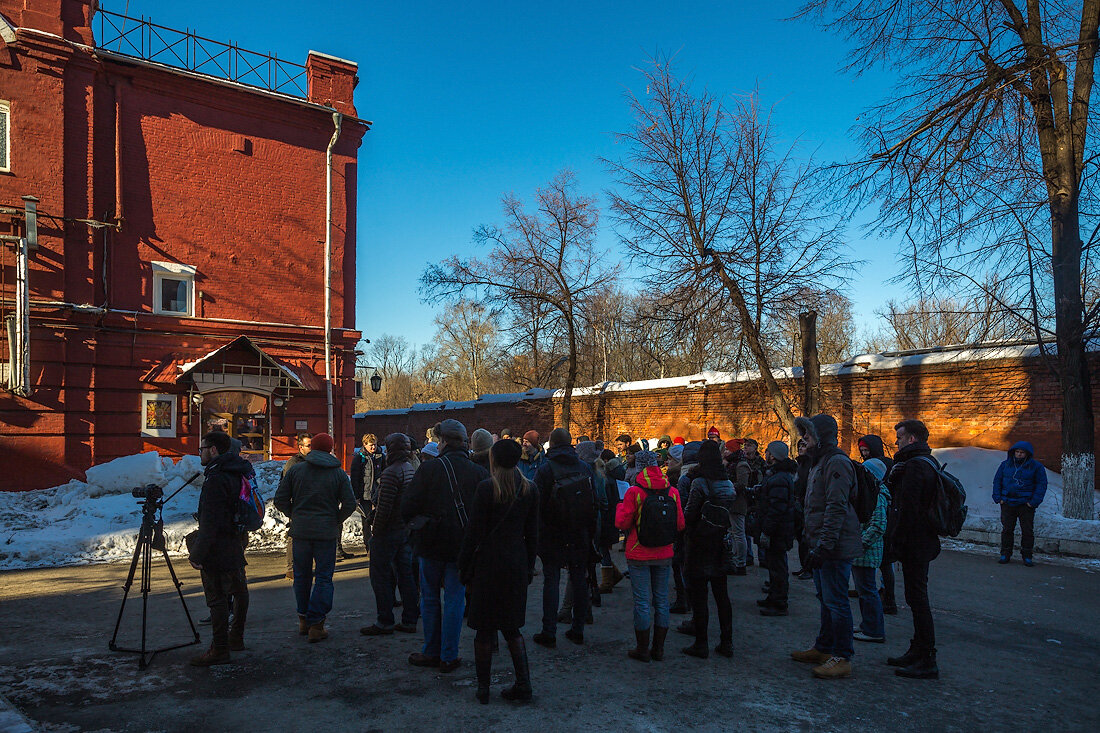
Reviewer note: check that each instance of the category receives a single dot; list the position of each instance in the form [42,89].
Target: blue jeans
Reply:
[442,621]
[872,622]
[391,566]
[650,586]
[314,563]
[578,578]
[835,636]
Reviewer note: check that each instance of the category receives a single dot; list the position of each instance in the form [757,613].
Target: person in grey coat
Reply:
[833,533]
[316,494]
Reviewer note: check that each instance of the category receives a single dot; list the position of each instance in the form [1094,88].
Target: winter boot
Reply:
[924,668]
[236,641]
[521,690]
[657,653]
[725,639]
[813,655]
[317,632]
[595,601]
[641,650]
[303,625]
[833,669]
[679,605]
[213,655]
[698,649]
[483,664]
[908,658]
[607,580]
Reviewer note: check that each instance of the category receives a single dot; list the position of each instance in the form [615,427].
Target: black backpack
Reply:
[572,500]
[714,519]
[865,498]
[657,518]
[948,511]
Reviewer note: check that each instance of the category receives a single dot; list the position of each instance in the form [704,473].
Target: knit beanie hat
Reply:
[588,451]
[733,445]
[676,452]
[560,437]
[481,440]
[531,436]
[678,440]
[505,453]
[323,442]
[645,458]
[778,450]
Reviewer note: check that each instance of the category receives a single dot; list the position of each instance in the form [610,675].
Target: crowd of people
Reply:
[454,527]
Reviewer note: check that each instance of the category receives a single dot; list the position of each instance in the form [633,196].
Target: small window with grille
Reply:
[5,136]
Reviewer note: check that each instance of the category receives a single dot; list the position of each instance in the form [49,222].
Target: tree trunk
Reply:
[1078,423]
[811,367]
[571,376]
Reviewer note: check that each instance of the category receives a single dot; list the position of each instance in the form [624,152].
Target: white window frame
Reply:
[5,140]
[169,432]
[173,271]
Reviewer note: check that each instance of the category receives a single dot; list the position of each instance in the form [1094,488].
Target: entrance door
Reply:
[244,415]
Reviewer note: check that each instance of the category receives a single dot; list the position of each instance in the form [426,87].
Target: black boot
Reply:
[521,690]
[657,653]
[908,658]
[679,605]
[924,668]
[483,664]
[641,649]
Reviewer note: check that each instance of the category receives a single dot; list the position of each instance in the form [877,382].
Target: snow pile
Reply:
[97,521]
[975,467]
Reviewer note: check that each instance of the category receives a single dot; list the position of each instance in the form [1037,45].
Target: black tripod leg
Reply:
[179,590]
[126,590]
[146,585]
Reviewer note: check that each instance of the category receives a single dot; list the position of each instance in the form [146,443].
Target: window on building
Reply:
[5,136]
[173,289]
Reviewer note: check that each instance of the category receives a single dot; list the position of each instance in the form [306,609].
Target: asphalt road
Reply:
[1018,650]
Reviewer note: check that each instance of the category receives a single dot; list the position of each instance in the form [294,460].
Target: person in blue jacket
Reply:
[1019,488]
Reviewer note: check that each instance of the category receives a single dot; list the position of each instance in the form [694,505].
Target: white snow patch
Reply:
[97,521]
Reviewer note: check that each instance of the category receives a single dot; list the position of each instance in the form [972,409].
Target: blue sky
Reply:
[473,100]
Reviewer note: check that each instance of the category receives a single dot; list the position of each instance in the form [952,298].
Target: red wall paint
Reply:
[228,180]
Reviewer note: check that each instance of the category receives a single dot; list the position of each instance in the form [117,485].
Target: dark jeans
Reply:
[701,611]
[835,635]
[1009,515]
[218,586]
[578,578]
[887,571]
[779,580]
[314,563]
[391,566]
[870,605]
[915,577]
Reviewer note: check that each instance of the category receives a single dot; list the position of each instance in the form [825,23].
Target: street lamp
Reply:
[376,382]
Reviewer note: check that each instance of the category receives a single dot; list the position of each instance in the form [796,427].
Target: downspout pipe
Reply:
[337,120]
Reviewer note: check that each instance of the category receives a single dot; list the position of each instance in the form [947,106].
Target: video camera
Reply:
[148,491]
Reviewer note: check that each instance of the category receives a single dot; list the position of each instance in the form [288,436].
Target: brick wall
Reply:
[519,417]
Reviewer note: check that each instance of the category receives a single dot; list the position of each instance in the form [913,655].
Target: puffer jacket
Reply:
[831,523]
[703,555]
[217,546]
[394,482]
[629,511]
[1020,482]
[530,466]
[777,503]
[316,494]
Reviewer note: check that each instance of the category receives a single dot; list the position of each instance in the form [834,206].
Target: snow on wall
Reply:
[485,399]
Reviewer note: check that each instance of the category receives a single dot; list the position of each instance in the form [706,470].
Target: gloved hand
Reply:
[764,542]
[814,560]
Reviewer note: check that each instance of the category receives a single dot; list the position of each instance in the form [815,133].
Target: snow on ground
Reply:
[975,467]
[97,521]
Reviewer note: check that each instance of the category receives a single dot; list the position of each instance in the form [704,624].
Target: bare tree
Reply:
[981,160]
[467,350]
[548,256]
[720,217]
[929,321]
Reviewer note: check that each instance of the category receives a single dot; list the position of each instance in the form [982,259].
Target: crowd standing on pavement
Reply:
[455,525]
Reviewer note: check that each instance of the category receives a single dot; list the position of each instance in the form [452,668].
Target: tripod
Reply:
[150,537]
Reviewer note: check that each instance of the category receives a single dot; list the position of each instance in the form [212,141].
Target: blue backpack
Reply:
[249,515]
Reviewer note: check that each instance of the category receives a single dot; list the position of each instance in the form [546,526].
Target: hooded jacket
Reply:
[777,502]
[831,523]
[316,494]
[912,482]
[218,546]
[560,545]
[629,512]
[1020,482]
[530,466]
[876,449]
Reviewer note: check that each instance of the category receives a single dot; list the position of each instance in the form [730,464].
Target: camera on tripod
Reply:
[150,492]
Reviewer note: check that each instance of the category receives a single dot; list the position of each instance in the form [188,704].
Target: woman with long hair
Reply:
[497,563]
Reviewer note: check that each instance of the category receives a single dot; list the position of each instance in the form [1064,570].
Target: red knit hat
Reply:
[531,437]
[323,442]
[678,440]
[713,431]
[733,444]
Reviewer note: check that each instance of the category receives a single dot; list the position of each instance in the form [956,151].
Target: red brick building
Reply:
[178,283]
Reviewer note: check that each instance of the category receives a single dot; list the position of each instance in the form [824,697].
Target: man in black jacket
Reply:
[435,503]
[217,551]
[912,482]
[565,538]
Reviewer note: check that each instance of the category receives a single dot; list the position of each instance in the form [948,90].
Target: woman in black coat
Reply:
[497,563]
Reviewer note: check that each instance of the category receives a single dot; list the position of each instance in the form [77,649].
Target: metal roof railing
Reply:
[143,39]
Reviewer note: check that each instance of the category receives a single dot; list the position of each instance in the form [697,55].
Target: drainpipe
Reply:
[336,120]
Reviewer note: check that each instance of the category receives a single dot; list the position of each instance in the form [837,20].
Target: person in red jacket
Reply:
[650,566]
